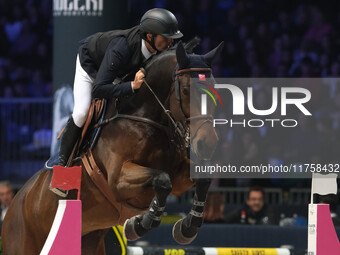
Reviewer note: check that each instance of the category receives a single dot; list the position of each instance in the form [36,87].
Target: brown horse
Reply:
[143,159]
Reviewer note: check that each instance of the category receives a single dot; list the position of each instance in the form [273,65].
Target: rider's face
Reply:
[161,42]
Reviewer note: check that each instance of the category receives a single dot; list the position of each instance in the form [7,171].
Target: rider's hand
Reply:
[138,80]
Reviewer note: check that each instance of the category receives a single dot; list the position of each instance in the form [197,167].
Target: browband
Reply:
[178,72]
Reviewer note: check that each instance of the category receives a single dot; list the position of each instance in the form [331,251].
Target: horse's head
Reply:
[185,103]
[175,86]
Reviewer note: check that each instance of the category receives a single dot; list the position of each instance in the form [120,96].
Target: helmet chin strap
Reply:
[152,42]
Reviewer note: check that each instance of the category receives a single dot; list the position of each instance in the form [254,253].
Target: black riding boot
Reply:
[68,140]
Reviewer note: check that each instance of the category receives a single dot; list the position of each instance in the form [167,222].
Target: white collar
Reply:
[146,53]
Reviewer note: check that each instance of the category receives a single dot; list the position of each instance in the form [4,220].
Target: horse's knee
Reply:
[202,187]
[162,183]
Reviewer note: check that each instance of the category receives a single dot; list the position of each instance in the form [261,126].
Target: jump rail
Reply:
[205,251]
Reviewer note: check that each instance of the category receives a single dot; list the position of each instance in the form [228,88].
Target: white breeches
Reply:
[82,95]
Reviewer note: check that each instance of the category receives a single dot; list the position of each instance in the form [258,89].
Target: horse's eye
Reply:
[185,91]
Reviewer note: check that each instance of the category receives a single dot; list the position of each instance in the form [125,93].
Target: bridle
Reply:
[179,129]
[186,120]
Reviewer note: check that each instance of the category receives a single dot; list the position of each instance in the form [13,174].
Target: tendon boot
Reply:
[68,141]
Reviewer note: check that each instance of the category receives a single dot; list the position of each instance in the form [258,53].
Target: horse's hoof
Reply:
[129,228]
[178,235]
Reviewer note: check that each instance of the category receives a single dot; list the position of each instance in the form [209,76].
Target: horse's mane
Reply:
[189,47]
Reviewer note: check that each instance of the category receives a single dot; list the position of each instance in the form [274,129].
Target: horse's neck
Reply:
[144,102]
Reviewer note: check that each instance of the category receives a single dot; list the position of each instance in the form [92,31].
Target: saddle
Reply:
[95,114]
[88,136]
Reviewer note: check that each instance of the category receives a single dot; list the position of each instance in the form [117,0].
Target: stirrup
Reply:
[59,192]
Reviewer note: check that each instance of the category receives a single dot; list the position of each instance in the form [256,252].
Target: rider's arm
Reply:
[117,55]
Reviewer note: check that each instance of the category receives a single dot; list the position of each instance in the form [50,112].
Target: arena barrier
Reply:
[205,251]
[322,238]
[65,234]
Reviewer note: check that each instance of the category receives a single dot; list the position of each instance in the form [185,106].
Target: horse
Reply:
[143,154]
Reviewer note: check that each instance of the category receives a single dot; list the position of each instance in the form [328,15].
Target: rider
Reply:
[105,58]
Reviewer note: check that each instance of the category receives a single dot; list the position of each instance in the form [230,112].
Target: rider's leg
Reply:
[82,101]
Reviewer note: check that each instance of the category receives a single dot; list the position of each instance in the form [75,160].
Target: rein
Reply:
[177,128]
[135,118]
[182,132]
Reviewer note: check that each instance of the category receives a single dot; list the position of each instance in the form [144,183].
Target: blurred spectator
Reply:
[214,207]
[319,29]
[302,145]
[6,197]
[25,48]
[254,212]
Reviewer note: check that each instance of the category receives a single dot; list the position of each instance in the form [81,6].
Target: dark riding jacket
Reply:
[265,216]
[106,56]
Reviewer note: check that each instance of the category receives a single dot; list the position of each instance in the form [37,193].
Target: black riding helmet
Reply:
[159,21]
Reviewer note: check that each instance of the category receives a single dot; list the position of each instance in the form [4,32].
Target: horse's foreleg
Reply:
[93,243]
[185,230]
[152,218]
[138,226]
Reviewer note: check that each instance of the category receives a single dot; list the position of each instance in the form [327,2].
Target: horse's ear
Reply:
[211,55]
[182,57]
